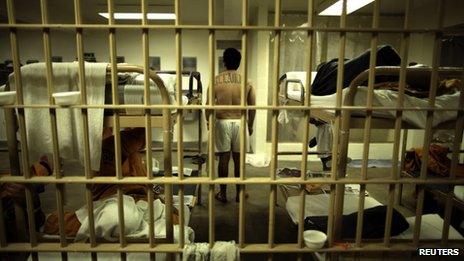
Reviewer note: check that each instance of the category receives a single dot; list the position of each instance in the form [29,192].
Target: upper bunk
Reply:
[385,94]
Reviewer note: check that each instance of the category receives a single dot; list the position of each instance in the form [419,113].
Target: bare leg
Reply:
[236,158]
[223,168]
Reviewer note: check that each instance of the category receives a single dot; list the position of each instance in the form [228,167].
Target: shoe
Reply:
[237,196]
[326,163]
[221,197]
[312,143]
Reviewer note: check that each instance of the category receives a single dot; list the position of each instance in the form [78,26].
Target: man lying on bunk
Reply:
[132,141]
[325,83]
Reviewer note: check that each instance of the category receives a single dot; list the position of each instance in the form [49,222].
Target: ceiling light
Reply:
[351,6]
[138,16]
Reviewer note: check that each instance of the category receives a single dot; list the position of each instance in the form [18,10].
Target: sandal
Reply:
[220,196]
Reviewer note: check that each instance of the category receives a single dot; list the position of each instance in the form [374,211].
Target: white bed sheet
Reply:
[299,76]
[135,217]
[388,98]
[318,205]
[134,92]
[431,228]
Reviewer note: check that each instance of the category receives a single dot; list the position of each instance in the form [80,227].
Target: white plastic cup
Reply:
[314,239]
[7,98]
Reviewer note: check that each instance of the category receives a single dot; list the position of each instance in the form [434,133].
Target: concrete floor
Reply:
[257,211]
[226,221]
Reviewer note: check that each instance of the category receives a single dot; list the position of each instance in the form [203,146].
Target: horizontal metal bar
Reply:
[206,180]
[397,246]
[282,153]
[232,107]
[226,27]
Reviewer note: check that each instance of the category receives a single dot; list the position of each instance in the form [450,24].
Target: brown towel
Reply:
[71,224]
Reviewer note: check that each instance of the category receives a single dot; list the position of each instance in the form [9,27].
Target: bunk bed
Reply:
[292,92]
[162,85]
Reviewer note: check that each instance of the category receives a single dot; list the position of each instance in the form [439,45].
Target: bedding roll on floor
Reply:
[373,225]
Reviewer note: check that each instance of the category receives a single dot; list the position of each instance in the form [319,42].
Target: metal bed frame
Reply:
[421,75]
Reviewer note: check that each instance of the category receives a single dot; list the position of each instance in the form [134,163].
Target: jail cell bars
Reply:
[339,151]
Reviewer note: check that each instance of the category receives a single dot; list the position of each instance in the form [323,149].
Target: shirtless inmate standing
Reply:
[227,89]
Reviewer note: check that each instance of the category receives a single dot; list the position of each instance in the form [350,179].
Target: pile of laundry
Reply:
[221,251]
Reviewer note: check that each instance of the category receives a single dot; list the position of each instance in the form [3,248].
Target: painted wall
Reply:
[195,44]
[421,45]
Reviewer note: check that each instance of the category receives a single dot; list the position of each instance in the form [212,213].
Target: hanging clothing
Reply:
[325,82]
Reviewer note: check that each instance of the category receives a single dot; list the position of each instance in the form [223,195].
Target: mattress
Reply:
[381,98]
[388,98]
[297,79]
[133,90]
[318,205]
[431,228]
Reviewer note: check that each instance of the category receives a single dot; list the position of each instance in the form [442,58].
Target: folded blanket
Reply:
[69,121]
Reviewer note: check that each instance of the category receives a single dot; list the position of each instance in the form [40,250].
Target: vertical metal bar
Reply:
[148,136]
[243,125]
[18,87]
[368,121]
[53,127]
[13,152]
[49,80]
[454,164]
[30,216]
[60,193]
[3,241]
[147,93]
[334,222]
[403,149]
[180,124]
[428,123]
[398,121]
[307,115]
[85,123]
[274,135]
[212,118]
[117,136]
[21,120]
